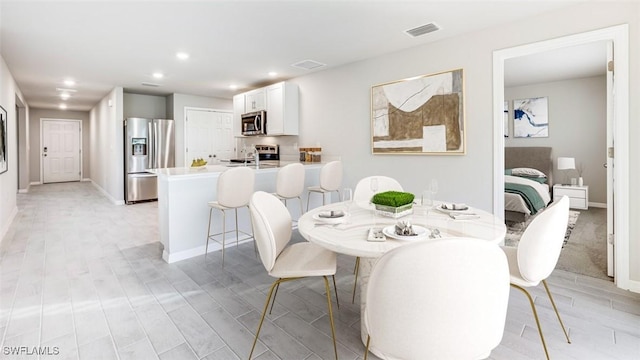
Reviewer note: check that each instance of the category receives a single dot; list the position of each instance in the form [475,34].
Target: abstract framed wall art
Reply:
[419,115]
[530,117]
[3,140]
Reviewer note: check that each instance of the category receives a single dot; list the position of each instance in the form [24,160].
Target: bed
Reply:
[520,199]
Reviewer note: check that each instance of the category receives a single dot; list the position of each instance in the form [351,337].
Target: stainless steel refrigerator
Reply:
[148,144]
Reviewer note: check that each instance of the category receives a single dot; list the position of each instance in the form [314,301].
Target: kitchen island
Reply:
[183,194]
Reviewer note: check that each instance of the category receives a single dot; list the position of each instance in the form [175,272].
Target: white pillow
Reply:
[527,172]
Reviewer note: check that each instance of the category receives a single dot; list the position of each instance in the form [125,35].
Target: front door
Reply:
[61,150]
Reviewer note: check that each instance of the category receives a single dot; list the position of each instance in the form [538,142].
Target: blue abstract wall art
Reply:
[530,117]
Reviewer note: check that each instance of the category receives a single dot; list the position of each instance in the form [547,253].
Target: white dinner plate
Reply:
[421,232]
[331,220]
[449,211]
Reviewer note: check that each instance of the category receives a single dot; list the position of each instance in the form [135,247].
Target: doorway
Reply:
[61,150]
[618,35]
[208,135]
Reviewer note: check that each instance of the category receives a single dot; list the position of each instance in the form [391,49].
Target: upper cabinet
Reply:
[282,109]
[255,100]
[280,100]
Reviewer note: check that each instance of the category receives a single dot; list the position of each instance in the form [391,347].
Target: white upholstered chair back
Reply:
[540,245]
[290,181]
[235,186]
[363,189]
[440,299]
[271,226]
[331,176]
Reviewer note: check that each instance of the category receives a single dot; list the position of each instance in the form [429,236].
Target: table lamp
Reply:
[566,163]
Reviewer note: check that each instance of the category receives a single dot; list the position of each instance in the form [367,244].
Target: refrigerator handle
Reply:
[152,145]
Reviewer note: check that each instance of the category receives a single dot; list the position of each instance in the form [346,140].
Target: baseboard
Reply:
[86,179]
[35,183]
[23,191]
[197,251]
[598,205]
[5,230]
[106,194]
[631,285]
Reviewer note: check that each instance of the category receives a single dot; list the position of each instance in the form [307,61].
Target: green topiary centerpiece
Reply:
[393,203]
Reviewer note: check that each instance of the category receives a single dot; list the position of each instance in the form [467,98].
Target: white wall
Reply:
[577,127]
[34,138]
[145,106]
[175,110]
[335,106]
[9,179]
[106,149]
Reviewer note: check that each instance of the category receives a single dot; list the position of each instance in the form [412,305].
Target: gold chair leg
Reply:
[366,350]
[355,280]
[264,312]
[336,290]
[206,246]
[333,329]
[546,287]
[535,315]
[274,298]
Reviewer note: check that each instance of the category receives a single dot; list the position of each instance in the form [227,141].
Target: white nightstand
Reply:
[578,195]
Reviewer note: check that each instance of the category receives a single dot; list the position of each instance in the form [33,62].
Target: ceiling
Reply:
[101,45]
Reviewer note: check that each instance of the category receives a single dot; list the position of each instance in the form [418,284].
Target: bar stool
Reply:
[330,181]
[290,183]
[235,187]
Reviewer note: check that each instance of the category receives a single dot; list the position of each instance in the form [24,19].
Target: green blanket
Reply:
[530,195]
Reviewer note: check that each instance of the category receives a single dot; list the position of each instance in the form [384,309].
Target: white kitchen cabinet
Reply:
[255,100]
[282,109]
[238,110]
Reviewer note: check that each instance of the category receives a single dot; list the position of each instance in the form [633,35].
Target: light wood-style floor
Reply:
[84,278]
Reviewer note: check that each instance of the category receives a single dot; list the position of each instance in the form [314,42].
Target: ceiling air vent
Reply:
[421,30]
[150,84]
[308,64]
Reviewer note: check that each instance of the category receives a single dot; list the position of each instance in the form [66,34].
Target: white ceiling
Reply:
[121,43]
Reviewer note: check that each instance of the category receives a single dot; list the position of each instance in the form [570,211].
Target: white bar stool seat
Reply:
[235,187]
[290,183]
[330,181]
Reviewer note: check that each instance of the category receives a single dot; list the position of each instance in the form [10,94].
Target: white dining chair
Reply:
[234,189]
[272,229]
[537,255]
[439,299]
[364,193]
[330,181]
[290,183]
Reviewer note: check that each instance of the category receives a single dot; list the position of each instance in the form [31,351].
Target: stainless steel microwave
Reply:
[254,123]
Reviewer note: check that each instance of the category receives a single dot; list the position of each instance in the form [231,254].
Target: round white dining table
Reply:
[348,235]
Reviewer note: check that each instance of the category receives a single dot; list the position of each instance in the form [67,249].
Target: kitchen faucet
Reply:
[257,156]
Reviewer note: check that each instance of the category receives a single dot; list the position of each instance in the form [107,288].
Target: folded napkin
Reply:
[375,235]
[455,207]
[331,214]
[463,216]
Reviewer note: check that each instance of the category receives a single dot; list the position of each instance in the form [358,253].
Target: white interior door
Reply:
[610,163]
[61,155]
[209,135]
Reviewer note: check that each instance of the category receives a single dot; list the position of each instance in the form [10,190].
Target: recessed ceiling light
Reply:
[65,96]
[233,86]
[182,55]
[272,73]
[69,82]
[158,75]
[63,106]
[66,90]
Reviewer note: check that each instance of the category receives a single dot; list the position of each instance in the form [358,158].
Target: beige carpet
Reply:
[585,248]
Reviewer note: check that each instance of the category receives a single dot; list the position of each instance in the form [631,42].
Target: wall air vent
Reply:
[150,84]
[421,30]
[308,64]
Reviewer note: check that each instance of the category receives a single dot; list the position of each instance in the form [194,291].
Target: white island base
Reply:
[183,194]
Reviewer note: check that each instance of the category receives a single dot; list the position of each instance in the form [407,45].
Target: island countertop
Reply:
[263,166]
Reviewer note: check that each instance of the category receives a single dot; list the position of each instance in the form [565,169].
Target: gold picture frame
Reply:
[419,115]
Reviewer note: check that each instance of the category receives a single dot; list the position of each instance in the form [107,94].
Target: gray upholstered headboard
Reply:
[531,157]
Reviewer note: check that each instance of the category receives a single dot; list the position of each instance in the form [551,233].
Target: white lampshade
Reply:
[566,163]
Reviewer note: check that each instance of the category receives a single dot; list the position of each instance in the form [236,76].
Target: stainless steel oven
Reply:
[254,123]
